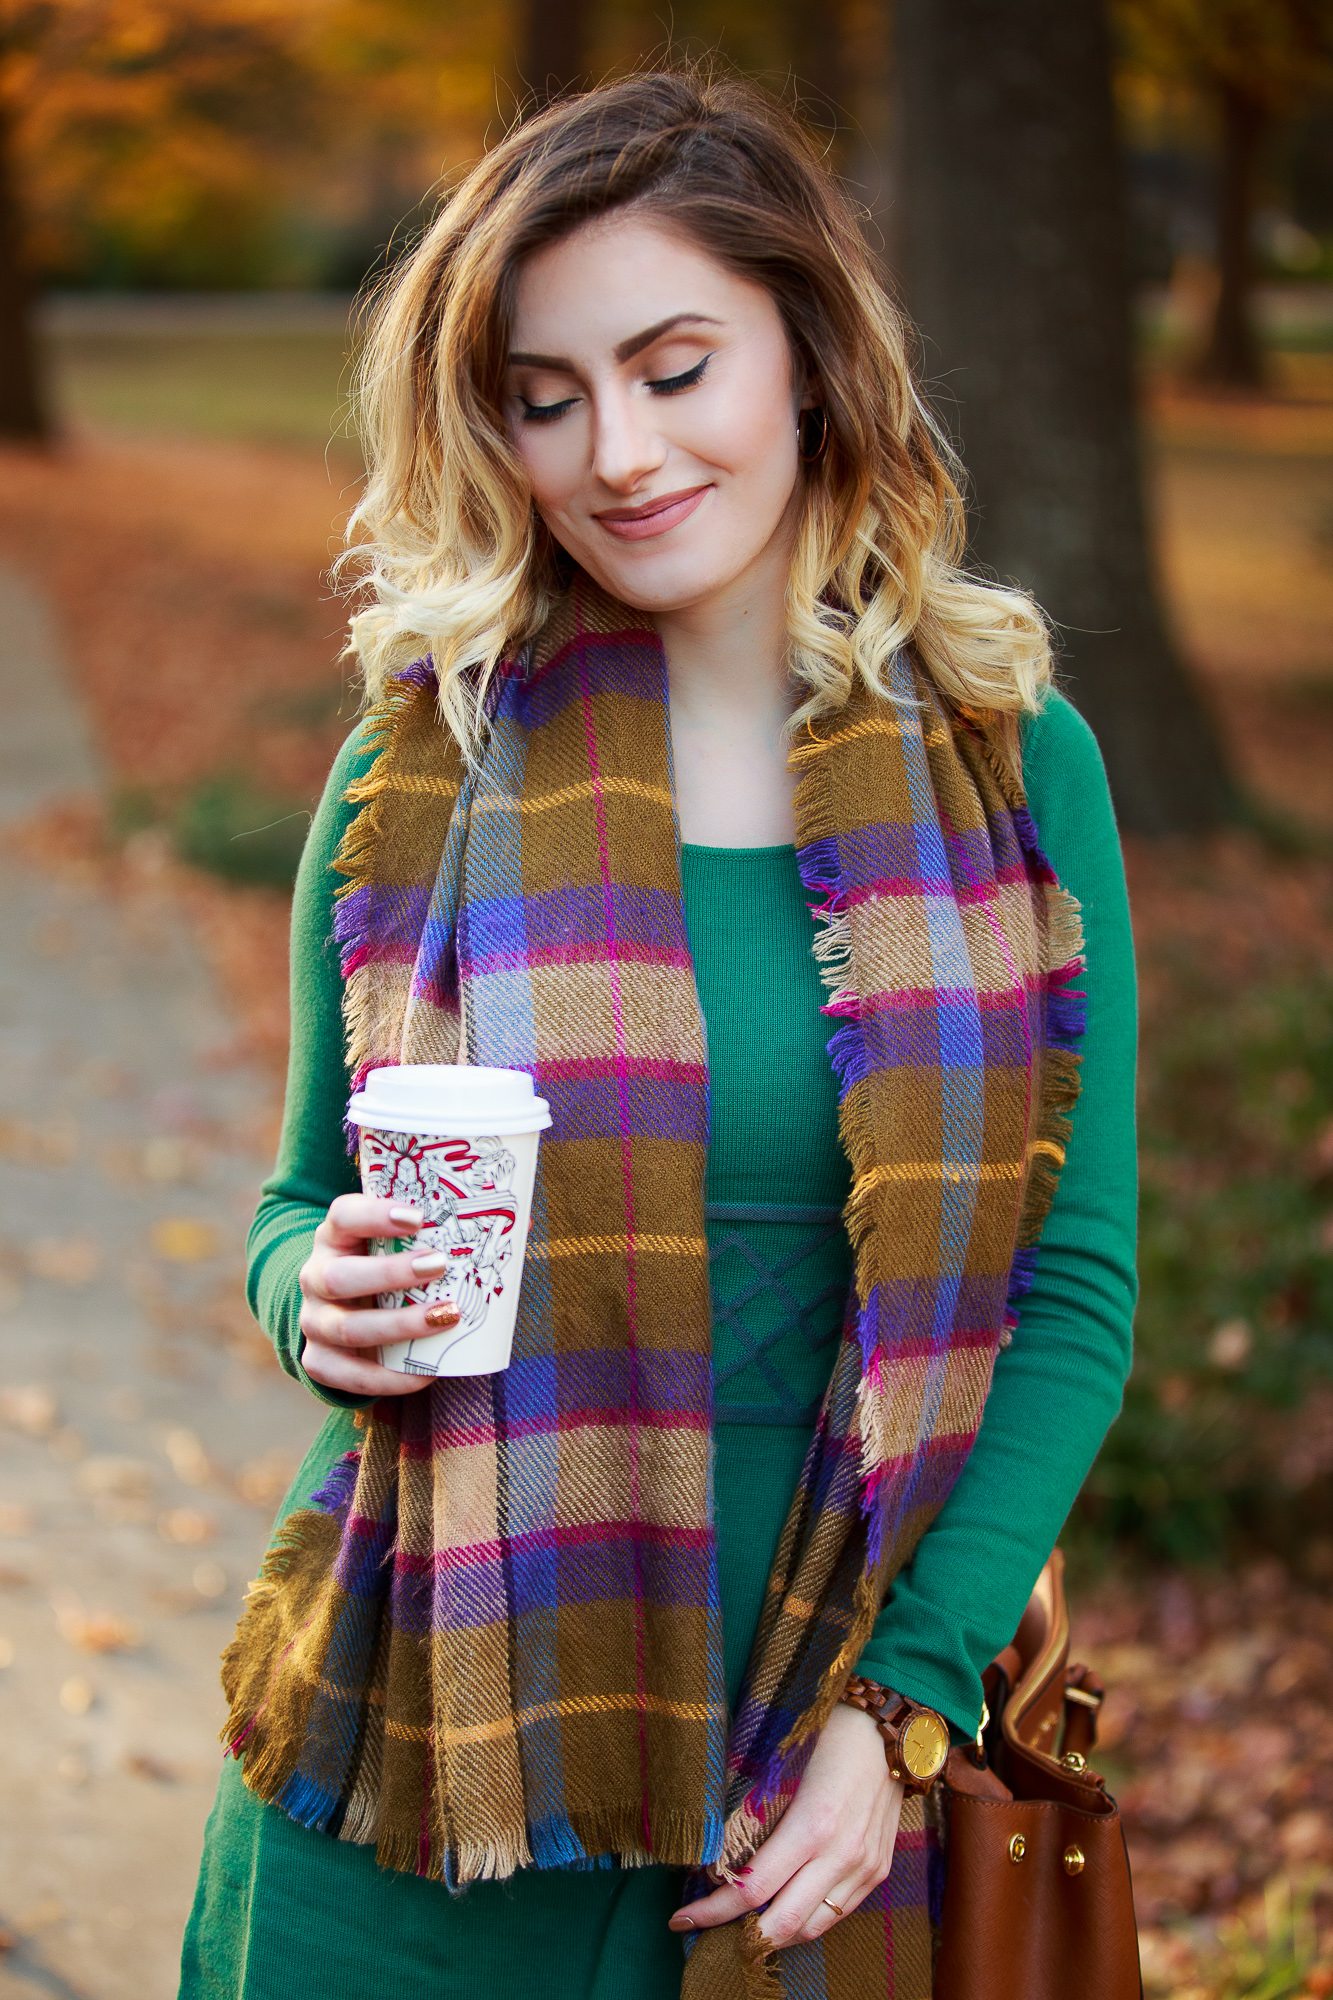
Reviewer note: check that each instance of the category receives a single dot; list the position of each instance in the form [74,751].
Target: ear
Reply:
[810,390]
[807,391]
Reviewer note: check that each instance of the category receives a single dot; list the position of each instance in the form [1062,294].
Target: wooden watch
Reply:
[916,1739]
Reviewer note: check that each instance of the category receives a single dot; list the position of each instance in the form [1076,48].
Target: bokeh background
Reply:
[1115,231]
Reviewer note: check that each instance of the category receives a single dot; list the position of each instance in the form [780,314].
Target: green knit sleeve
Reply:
[1057,1389]
[313,1166]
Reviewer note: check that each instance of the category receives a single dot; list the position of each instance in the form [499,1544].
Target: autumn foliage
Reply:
[248,142]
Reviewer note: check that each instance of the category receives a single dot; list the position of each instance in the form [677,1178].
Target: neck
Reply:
[729,653]
[730,701]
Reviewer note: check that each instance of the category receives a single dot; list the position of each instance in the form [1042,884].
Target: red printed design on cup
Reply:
[465,1190]
[459,1143]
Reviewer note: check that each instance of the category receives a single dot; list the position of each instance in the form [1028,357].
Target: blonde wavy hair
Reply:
[448,547]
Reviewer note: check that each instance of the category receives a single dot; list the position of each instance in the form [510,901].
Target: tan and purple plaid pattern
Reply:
[495,1640]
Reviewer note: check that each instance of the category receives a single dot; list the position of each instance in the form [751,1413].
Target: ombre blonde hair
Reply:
[449,549]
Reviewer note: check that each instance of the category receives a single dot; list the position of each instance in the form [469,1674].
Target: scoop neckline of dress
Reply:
[756,853]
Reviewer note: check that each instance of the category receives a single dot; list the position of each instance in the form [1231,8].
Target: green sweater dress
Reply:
[281,1911]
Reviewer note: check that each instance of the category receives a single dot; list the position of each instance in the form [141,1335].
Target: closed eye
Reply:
[666,385]
[545,413]
[671,385]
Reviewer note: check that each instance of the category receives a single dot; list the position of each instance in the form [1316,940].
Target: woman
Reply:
[668,649]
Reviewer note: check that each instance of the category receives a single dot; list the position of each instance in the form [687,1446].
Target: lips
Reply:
[654,517]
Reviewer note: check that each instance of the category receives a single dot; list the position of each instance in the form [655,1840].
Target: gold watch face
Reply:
[924,1745]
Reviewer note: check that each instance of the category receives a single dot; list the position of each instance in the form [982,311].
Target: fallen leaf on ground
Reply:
[264,1480]
[37,1145]
[140,1765]
[174,1601]
[1307,1836]
[94,1631]
[69,1260]
[230,1316]
[107,1477]
[179,1239]
[166,1160]
[31,1409]
[209,1579]
[77,1695]
[189,1461]
[49,1911]
[186,1524]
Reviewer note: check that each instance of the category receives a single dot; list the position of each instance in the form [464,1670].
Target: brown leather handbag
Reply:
[1038,1903]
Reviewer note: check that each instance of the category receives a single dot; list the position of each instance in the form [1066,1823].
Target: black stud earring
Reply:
[812,435]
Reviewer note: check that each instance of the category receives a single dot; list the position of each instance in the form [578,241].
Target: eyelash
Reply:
[673,384]
[670,385]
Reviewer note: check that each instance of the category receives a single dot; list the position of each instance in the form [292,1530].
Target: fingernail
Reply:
[407,1218]
[442,1315]
[680,1923]
[431,1263]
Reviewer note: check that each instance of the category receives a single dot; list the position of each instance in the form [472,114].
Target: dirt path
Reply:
[146,1437]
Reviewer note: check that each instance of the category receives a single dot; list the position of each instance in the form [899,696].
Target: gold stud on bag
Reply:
[1038,1903]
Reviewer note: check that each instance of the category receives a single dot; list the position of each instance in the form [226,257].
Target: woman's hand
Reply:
[833,1845]
[339,1281]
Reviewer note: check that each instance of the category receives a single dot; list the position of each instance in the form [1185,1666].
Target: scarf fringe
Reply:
[997,732]
[759,1963]
[388,725]
[306,1543]
[361,1821]
[602,1840]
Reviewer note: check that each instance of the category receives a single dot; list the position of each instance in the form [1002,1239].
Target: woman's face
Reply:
[651,397]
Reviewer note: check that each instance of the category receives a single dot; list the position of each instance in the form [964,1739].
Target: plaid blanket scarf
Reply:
[494,1640]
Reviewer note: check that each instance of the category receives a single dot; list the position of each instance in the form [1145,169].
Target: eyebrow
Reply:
[627,349]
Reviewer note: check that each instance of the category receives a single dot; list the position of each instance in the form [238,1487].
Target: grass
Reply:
[287,388]
[1226,1443]
[1273,1959]
[228,826]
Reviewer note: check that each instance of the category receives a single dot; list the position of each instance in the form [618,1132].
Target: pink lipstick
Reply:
[654,517]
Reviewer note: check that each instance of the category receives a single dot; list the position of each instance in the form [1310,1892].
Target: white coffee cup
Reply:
[459,1144]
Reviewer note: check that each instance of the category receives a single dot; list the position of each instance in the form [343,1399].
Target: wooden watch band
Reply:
[916,1739]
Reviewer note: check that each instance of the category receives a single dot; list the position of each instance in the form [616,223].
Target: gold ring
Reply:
[833,1906]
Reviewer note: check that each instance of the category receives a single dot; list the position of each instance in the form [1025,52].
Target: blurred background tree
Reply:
[1012,244]
[554,44]
[138,144]
[1255,64]
[151,136]
[161,144]
[23,410]
[289,144]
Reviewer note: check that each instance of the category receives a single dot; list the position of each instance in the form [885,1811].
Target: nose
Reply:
[627,445]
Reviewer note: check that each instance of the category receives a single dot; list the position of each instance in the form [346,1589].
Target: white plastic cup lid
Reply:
[450,1098]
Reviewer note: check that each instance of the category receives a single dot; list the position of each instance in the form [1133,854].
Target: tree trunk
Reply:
[1011,235]
[555,48]
[1234,356]
[818,45]
[22,406]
